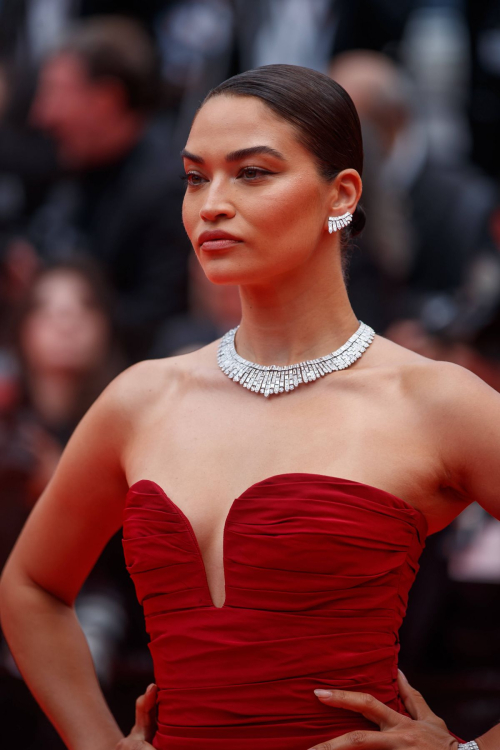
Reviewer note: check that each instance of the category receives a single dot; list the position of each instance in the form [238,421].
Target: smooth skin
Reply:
[425,431]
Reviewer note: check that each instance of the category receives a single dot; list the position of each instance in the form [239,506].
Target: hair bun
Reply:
[358,221]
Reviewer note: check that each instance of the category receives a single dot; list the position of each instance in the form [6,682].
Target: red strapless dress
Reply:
[317,574]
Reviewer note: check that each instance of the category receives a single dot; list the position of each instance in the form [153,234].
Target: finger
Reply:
[140,729]
[151,712]
[359,738]
[145,714]
[364,704]
[413,700]
[150,698]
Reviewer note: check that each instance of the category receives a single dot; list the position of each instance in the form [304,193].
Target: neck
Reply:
[304,315]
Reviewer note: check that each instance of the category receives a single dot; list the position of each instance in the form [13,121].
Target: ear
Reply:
[345,192]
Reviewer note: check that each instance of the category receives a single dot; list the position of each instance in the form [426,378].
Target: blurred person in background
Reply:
[431,218]
[96,96]
[66,343]
[62,356]
[66,354]
[29,31]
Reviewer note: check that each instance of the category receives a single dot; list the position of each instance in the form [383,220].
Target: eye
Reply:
[193,179]
[251,174]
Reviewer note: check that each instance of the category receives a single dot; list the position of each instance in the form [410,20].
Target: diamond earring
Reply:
[339,222]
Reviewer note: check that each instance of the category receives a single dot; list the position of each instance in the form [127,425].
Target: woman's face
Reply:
[65,329]
[248,176]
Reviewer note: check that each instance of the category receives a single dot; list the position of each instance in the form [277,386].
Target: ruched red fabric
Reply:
[317,574]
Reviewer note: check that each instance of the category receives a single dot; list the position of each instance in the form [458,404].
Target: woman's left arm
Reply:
[464,414]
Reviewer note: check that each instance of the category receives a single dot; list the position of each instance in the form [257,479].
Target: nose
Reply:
[217,203]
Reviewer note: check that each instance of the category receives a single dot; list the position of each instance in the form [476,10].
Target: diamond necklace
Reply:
[271,379]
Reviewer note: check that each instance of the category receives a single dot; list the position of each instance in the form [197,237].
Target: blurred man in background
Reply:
[121,199]
[430,215]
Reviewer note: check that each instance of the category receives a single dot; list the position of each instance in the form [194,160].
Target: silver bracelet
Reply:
[472,745]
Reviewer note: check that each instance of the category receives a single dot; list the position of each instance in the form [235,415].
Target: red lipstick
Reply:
[217,239]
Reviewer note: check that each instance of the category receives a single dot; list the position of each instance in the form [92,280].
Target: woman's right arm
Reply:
[78,512]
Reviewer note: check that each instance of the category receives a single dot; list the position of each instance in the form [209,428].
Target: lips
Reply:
[217,239]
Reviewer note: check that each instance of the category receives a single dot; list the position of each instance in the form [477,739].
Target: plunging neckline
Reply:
[253,486]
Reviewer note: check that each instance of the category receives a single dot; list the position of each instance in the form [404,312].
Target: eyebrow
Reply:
[242,153]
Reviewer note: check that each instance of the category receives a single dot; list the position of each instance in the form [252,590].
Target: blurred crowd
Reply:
[96,99]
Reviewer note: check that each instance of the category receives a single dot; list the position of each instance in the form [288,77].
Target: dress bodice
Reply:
[317,573]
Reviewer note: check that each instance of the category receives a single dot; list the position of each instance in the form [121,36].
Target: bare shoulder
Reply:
[421,372]
[442,387]
[140,386]
[143,383]
[461,414]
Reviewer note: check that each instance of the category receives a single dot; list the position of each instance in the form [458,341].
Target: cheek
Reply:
[290,215]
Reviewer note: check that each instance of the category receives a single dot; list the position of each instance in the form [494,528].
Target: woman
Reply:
[65,340]
[300,582]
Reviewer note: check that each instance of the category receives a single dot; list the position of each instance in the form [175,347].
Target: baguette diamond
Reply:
[273,379]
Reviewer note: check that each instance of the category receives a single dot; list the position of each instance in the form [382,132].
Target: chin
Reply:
[256,268]
[223,278]
[226,271]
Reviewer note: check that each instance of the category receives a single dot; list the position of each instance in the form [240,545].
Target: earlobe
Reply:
[335,223]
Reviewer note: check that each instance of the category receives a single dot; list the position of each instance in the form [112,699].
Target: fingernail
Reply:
[150,687]
[402,675]
[322,694]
